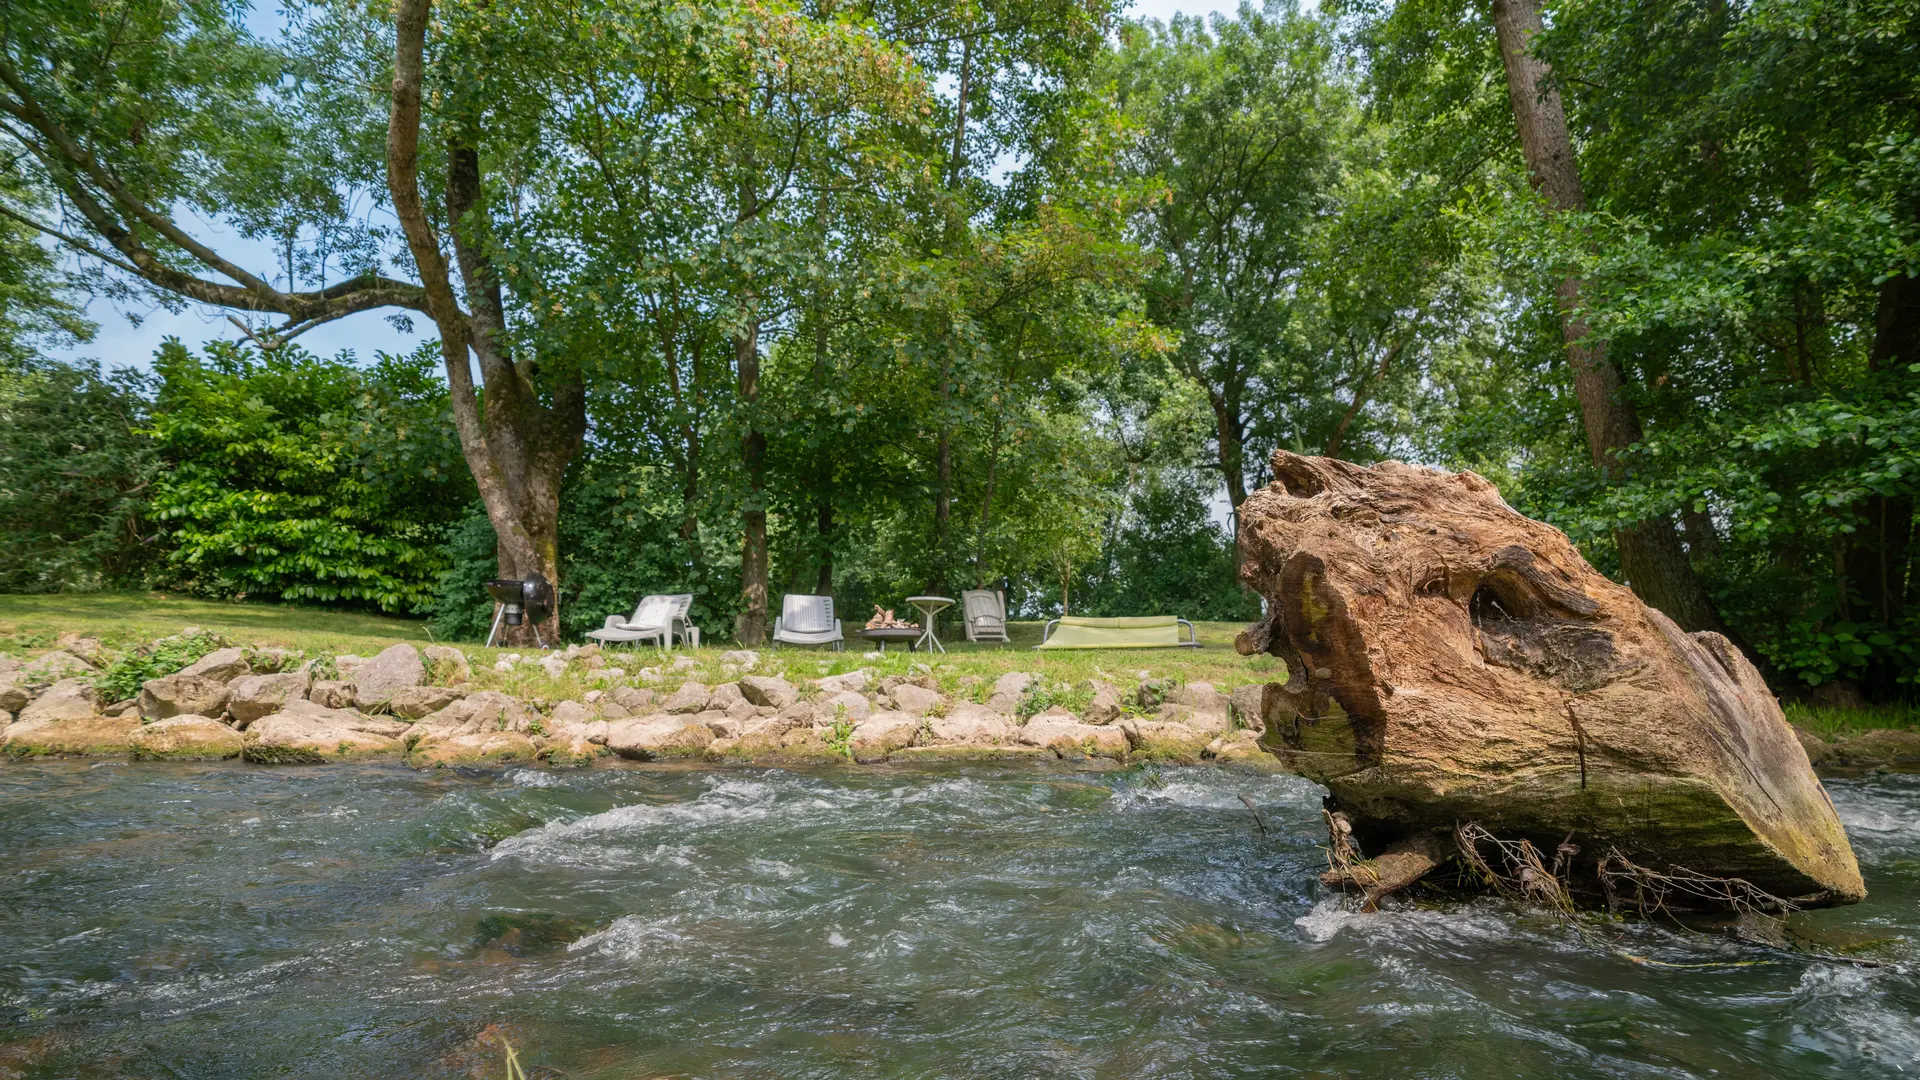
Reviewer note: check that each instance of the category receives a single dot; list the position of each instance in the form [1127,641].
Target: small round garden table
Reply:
[884,634]
[930,606]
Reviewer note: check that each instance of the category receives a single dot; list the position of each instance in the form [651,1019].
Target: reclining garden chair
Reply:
[808,620]
[1139,632]
[985,611]
[657,618]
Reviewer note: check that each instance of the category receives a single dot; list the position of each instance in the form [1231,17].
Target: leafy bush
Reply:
[304,479]
[122,678]
[74,470]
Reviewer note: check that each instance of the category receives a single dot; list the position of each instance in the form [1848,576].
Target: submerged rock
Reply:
[1450,661]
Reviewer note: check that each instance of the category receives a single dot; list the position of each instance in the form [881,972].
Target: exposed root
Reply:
[1522,875]
[1650,890]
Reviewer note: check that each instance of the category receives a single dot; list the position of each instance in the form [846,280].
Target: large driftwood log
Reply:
[1449,661]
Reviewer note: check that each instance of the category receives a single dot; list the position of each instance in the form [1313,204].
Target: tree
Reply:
[1651,556]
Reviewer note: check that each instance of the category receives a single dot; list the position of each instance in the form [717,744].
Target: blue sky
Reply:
[129,334]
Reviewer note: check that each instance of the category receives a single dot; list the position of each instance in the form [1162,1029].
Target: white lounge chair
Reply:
[808,620]
[657,618]
[985,611]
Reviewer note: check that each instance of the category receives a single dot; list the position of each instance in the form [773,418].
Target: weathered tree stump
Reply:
[1451,661]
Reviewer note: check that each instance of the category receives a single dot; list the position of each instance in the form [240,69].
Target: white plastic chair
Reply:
[808,620]
[657,618]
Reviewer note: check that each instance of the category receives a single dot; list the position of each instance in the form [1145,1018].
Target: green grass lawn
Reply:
[121,620]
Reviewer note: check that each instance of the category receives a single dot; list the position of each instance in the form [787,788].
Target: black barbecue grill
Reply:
[520,600]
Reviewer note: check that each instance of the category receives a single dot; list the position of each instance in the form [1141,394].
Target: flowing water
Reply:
[232,921]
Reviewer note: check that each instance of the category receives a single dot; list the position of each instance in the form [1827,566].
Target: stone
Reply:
[1106,706]
[488,710]
[446,665]
[633,699]
[554,665]
[1152,693]
[220,665]
[68,699]
[1070,738]
[573,754]
[84,646]
[183,695]
[393,670]
[725,695]
[479,748]
[768,690]
[1450,661]
[692,697]
[1212,721]
[596,732]
[970,753]
[744,710]
[745,659]
[304,733]
[569,717]
[5,719]
[683,663]
[1242,747]
[881,734]
[609,675]
[1245,702]
[185,738]
[347,663]
[915,700]
[414,702]
[658,738]
[251,697]
[846,703]
[331,693]
[855,681]
[1200,697]
[721,724]
[1014,683]
[1883,748]
[83,736]
[13,696]
[972,727]
[53,667]
[1168,741]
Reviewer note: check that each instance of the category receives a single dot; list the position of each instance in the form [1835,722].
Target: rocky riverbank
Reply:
[427,707]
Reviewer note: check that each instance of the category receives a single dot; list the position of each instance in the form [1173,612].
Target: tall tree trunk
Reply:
[516,446]
[823,456]
[753,624]
[1879,554]
[1651,556]
[943,448]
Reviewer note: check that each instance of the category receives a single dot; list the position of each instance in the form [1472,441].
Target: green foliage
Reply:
[298,478]
[122,678]
[1166,556]
[74,473]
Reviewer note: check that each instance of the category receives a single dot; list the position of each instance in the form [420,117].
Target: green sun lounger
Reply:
[1140,632]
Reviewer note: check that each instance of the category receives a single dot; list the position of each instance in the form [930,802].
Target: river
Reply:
[236,921]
